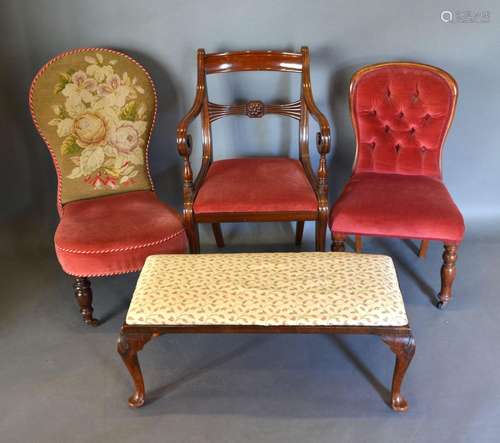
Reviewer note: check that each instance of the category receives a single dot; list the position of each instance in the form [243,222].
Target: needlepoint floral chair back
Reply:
[95,109]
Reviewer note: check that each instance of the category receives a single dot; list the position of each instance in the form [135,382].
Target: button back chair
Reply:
[95,110]
[401,113]
[260,188]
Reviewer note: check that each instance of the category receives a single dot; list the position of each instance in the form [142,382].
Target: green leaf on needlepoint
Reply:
[70,146]
[129,111]
[64,79]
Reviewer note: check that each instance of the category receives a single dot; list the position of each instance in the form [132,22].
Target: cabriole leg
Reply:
[129,344]
[83,295]
[448,273]
[404,348]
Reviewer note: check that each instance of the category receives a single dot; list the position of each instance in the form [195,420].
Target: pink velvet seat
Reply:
[401,113]
[396,205]
[132,226]
[266,184]
[95,110]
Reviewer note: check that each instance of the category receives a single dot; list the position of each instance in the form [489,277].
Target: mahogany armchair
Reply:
[401,113]
[95,110]
[254,189]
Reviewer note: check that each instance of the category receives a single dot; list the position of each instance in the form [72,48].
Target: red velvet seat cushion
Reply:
[261,184]
[394,205]
[115,234]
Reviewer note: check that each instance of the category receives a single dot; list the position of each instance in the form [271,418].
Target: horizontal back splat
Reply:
[254,109]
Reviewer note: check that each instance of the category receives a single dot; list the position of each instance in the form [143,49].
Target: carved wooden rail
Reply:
[254,109]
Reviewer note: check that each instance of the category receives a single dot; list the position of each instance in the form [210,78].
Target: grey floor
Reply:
[61,381]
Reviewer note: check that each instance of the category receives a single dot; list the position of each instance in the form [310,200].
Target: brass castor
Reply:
[441,305]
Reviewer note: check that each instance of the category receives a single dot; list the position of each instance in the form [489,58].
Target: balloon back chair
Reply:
[401,113]
[259,188]
[95,110]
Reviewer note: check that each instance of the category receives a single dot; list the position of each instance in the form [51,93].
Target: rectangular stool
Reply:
[309,292]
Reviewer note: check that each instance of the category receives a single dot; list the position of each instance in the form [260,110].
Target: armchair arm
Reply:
[183,137]
[323,138]
[323,142]
[184,146]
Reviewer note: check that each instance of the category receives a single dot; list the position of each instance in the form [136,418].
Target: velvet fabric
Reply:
[263,184]
[397,205]
[401,115]
[115,234]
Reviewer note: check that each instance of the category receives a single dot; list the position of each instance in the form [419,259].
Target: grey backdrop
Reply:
[163,36]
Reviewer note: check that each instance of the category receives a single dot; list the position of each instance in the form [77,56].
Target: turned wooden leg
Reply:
[129,344]
[404,348]
[358,243]
[338,242]
[448,273]
[219,239]
[299,231]
[83,294]
[424,245]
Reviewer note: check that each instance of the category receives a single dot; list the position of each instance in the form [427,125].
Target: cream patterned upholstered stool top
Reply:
[279,289]
[311,292]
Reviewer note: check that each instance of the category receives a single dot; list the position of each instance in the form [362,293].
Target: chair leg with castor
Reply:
[338,243]
[83,294]
[448,273]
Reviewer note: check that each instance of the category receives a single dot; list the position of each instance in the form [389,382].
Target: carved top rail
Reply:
[253,61]
[254,109]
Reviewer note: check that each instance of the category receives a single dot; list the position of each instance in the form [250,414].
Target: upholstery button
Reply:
[427,116]
[373,112]
[401,114]
[388,92]
[372,146]
[423,149]
[397,148]
[412,131]
[386,129]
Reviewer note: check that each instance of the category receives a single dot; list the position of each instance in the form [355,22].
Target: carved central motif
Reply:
[255,109]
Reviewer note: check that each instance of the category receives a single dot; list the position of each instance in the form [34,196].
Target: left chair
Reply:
[95,109]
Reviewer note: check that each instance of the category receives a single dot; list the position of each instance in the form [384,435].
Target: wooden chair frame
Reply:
[217,63]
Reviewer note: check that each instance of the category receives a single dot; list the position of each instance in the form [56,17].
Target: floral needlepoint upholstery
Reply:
[279,289]
[95,109]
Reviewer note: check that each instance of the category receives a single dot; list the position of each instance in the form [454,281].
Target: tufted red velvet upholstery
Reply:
[401,113]
[115,234]
[256,185]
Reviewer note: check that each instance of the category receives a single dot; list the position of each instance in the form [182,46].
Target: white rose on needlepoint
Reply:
[90,130]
